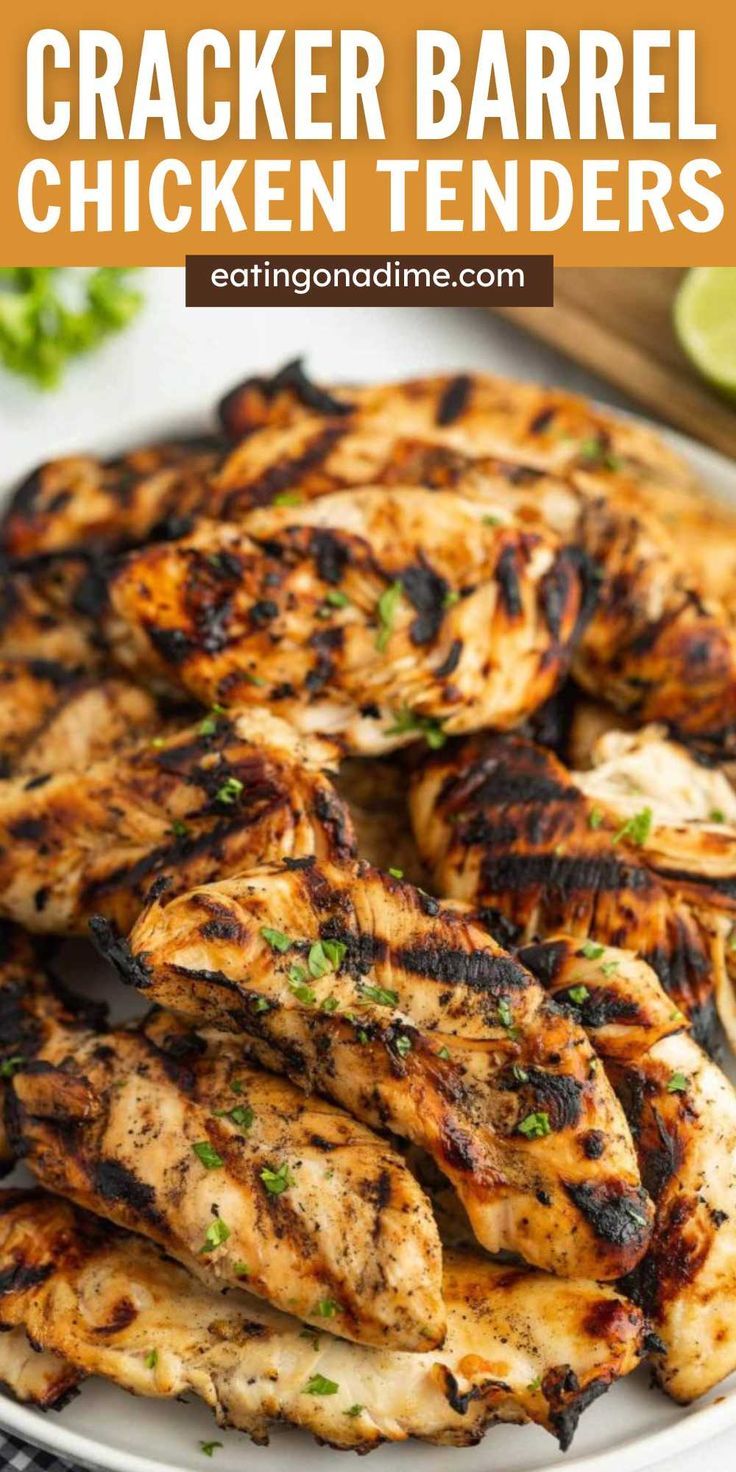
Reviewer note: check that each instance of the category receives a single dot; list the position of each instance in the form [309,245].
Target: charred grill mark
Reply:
[116,1183]
[460,1402]
[509,584]
[451,660]
[484,971]
[426,590]
[21,1276]
[545,961]
[565,1420]
[113,947]
[563,875]
[617,1214]
[124,1313]
[454,400]
[174,645]
[558,1095]
[284,474]
[330,555]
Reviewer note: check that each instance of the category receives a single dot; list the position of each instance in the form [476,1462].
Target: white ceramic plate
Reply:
[630,1428]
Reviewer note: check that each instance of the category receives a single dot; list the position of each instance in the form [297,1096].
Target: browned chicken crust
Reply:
[682,1110]
[503,827]
[172,1134]
[212,799]
[53,718]
[520,1346]
[410,1017]
[373,616]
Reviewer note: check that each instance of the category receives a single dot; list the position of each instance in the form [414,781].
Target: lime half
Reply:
[705,322]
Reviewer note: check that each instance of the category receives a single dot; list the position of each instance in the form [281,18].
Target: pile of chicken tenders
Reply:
[383,742]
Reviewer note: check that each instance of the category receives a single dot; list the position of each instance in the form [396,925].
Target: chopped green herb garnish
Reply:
[151,1359]
[595,452]
[535,1126]
[324,956]
[387,607]
[252,679]
[277,1180]
[591,951]
[402,1044]
[301,991]
[717,815]
[636,828]
[276,939]
[595,818]
[261,1004]
[9,1066]
[396,873]
[505,1015]
[492,521]
[287,498]
[320,1385]
[535,1384]
[443,1052]
[209,1447]
[230,791]
[677,1084]
[208,1155]
[48,315]
[356,1410]
[217,1233]
[380,994]
[179,829]
[406,721]
[520,1074]
[242,1116]
[336,598]
[326,1308]
[241,1270]
[609,968]
[451,596]
[578,995]
[330,1004]
[236,1084]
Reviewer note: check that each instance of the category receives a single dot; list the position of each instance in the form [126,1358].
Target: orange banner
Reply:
[135,135]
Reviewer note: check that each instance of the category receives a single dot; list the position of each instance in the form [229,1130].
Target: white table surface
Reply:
[174,362]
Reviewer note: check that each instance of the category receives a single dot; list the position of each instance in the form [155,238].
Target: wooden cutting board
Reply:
[618,323]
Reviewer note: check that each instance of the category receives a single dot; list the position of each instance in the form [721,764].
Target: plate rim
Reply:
[646,1449]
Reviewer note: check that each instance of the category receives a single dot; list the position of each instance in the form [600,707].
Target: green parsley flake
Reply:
[595,818]
[443,1052]
[277,1180]
[336,598]
[492,521]
[591,951]
[520,1074]
[325,956]
[217,1232]
[208,1155]
[677,1084]
[609,968]
[506,1016]
[209,1447]
[535,1126]
[535,1384]
[406,721]
[396,873]
[287,498]
[9,1066]
[241,1270]
[151,1359]
[326,1308]
[320,1385]
[636,828]
[242,1116]
[387,608]
[451,597]
[356,1410]
[595,453]
[402,1044]
[578,995]
[276,939]
[380,994]
[717,815]
[179,829]
[230,791]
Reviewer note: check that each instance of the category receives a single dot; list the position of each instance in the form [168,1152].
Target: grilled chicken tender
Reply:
[31,1011]
[372,616]
[504,827]
[212,799]
[35,1376]
[682,1110]
[80,501]
[49,612]
[52,718]
[171,1134]
[520,1346]
[414,1020]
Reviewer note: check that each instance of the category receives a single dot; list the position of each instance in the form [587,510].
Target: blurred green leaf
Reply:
[49,315]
